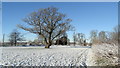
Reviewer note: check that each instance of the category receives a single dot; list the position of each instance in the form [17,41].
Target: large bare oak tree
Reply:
[48,23]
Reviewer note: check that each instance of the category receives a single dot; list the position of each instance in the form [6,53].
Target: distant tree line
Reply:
[105,36]
[98,37]
[95,38]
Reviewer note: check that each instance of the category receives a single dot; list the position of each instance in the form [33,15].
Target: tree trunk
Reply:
[15,42]
[48,45]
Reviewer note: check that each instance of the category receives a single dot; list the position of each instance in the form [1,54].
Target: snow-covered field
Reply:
[39,56]
[103,54]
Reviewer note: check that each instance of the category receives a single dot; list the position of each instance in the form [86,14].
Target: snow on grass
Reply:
[40,56]
[105,54]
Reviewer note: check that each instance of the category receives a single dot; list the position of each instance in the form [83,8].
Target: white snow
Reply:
[58,55]
[39,56]
[106,54]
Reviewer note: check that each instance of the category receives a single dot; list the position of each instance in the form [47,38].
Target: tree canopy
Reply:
[48,23]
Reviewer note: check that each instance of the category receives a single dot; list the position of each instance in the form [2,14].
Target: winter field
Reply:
[58,56]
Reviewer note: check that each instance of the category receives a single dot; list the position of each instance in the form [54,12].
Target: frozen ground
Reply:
[55,56]
[103,54]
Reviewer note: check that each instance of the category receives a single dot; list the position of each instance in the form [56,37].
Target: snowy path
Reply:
[36,56]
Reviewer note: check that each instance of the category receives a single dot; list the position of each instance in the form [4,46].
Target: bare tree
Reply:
[15,36]
[115,34]
[48,23]
[80,37]
[102,37]
[94,36]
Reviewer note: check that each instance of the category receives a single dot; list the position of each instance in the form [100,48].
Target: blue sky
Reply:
[86,16]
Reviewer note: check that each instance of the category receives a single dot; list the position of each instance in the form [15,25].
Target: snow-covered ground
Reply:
[104,54]
[55,56]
